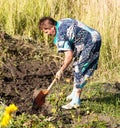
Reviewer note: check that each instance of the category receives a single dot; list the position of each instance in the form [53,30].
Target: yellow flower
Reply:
[51,125]
[6,119]
[11,108]
[7,114]
[73,116]
[61,94]
[53,110]
[87,112]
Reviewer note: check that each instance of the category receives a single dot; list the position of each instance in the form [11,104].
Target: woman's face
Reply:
[50,31]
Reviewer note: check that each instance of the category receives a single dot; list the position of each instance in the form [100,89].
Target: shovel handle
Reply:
[51,84]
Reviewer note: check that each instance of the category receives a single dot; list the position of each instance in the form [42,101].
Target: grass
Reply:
[99,109]
[103,100]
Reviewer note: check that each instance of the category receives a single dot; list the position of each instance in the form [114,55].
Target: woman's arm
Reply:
[67,60]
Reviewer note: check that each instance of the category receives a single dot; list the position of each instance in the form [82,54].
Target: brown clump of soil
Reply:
[20,73]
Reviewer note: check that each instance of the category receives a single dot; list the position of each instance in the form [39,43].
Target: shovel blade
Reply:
[39,99]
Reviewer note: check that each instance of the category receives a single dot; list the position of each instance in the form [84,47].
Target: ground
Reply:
[20,76]
[24,68]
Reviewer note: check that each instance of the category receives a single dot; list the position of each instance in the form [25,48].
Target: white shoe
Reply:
[75,103]
[70,106]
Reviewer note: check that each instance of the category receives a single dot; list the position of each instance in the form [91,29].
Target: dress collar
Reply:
[56,35]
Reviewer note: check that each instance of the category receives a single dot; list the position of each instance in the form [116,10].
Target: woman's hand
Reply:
[59,74]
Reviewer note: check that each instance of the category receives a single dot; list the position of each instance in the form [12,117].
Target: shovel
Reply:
[39,95]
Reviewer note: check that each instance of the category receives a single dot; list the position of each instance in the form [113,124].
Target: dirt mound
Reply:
[20,73]
[29,75]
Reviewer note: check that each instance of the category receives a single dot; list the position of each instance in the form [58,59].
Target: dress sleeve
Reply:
[62,39]
[63,46]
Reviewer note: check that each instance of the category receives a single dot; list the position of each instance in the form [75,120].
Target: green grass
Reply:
[102,100]
[98,104]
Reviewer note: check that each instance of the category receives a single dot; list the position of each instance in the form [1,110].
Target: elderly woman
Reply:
[79,43]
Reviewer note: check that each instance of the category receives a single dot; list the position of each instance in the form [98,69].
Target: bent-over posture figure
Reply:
[79,43]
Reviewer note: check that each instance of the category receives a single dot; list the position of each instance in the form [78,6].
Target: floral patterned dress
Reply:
[85,42]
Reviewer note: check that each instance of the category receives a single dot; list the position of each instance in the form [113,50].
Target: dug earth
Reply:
[21,73]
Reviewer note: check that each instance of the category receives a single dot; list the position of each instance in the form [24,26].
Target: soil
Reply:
[20,73]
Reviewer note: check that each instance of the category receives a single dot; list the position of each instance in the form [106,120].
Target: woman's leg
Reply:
[75,102]
[78,92]
[71,95]
[75,99]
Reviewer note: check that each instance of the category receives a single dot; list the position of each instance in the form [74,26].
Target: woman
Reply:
[78,42]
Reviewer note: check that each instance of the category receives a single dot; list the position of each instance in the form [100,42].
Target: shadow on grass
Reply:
[108,94]
[108,99]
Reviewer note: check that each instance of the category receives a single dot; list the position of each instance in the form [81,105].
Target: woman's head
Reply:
[47,25]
